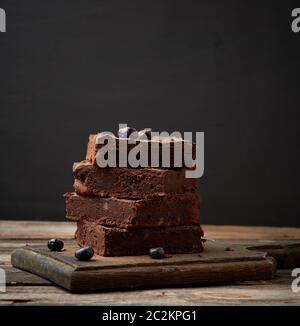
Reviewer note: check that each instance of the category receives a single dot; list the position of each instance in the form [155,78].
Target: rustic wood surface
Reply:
[28,289]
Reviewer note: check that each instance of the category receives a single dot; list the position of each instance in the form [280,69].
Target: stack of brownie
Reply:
[126,211]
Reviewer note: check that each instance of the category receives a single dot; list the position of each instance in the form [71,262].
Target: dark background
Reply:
[228,68]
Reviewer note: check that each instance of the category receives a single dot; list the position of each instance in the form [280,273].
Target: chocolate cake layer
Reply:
[107,241]
[159,142]
[130,214]
[91,180]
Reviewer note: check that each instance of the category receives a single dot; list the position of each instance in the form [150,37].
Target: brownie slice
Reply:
[130,214]
[91,180]
[107,241]
[93,148]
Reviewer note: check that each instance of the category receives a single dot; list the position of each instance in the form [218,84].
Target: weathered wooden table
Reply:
[27,289]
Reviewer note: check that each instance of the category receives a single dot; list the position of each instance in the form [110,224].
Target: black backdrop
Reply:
[228,68]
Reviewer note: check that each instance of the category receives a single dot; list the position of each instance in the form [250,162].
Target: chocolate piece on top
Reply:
[157,141]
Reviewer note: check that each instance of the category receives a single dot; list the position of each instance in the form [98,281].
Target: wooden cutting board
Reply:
[219,263]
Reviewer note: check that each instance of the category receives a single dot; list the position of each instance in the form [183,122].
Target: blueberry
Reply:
[145,133]
[127,132]
[55,245]
[157,253]
[85,253]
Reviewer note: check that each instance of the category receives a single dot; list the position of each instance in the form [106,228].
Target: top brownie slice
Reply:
[170,143]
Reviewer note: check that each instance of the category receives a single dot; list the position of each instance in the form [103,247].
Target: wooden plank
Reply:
[215,264]
[275,292]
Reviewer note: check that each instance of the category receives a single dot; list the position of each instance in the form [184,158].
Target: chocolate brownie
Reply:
[93,148]
[152,212]
[91,180]
[107,241]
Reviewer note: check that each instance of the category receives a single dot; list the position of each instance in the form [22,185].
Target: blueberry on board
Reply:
[84,254]
[55,245]
[157,253]
[127,132]
[145,133]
